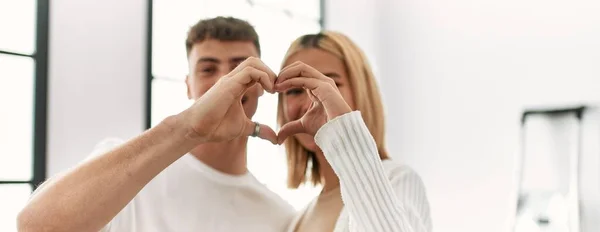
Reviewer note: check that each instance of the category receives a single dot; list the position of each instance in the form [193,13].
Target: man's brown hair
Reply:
[223,29]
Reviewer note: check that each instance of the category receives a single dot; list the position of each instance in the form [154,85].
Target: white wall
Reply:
[96,72]
[357,19]
[455,75]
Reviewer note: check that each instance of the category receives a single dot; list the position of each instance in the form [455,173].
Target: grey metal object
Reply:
[558,175]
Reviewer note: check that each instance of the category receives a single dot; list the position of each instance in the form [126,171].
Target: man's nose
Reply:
[222,72]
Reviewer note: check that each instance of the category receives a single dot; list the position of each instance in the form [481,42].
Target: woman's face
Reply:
[296,101]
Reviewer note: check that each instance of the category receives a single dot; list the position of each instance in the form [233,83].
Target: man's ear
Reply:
[187,84]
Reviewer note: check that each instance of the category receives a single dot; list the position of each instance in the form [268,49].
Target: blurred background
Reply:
[482,97]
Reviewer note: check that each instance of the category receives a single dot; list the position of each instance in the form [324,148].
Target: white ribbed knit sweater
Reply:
[378,196]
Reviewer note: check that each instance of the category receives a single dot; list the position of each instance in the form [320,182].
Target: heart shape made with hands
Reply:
[312,120]
[326,101]
[219,115]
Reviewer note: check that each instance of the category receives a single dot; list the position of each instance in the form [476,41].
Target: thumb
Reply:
[264,132]
[289,129]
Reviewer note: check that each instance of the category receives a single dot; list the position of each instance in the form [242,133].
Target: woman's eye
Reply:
[294,91]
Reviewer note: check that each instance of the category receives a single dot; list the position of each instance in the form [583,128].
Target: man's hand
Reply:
[327,102]
[219,116]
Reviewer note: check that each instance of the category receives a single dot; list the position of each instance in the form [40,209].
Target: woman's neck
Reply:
[329,179]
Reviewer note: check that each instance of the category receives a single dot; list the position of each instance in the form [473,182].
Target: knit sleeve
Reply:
[372,202]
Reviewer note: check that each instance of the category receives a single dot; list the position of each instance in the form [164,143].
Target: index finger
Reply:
[257,64]
[299,70]
[289,129]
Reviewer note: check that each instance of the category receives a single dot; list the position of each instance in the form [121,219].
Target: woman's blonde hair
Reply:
[366,97]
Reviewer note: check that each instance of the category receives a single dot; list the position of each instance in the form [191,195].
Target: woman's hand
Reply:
[219,115]
[327,102]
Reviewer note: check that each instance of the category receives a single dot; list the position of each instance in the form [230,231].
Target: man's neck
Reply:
[227,157]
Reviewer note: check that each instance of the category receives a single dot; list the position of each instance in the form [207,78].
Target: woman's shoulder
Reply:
[397,171]
[410,189]
[299,215]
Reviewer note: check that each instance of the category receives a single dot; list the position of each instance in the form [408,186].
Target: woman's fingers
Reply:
[288,67]
[299,69]
[317,88]
[326,94]
[264,132]
[289,129]
[298,82]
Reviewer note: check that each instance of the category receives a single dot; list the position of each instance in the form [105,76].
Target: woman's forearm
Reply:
[91,194]
[368,195]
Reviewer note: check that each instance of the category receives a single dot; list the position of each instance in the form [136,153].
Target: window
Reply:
[23,70]
[278,23]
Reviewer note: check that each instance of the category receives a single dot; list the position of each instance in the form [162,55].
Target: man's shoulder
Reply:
[267,192]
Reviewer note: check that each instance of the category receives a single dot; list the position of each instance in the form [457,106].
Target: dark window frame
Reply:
[40,57]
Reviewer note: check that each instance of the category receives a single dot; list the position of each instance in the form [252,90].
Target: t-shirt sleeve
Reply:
[124,221]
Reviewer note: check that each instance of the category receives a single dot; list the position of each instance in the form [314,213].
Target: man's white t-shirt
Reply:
[191,196]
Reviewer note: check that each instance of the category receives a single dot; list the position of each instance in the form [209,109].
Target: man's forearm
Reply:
[90,195]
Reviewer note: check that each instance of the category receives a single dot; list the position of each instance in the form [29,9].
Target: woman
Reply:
[331,113]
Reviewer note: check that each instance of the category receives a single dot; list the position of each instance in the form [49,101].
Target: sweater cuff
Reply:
[336,135]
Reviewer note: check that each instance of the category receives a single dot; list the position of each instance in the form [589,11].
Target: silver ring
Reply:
[256,129]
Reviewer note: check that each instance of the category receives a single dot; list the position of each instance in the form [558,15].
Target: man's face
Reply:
[211,59]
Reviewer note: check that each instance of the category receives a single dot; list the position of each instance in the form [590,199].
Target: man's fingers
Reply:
[264,132]
[289,129]
[249,75]
[267,133]
[257,64]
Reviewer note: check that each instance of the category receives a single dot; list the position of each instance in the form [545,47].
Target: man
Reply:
[189,172]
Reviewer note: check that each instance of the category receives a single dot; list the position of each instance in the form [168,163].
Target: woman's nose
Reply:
[306,103]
